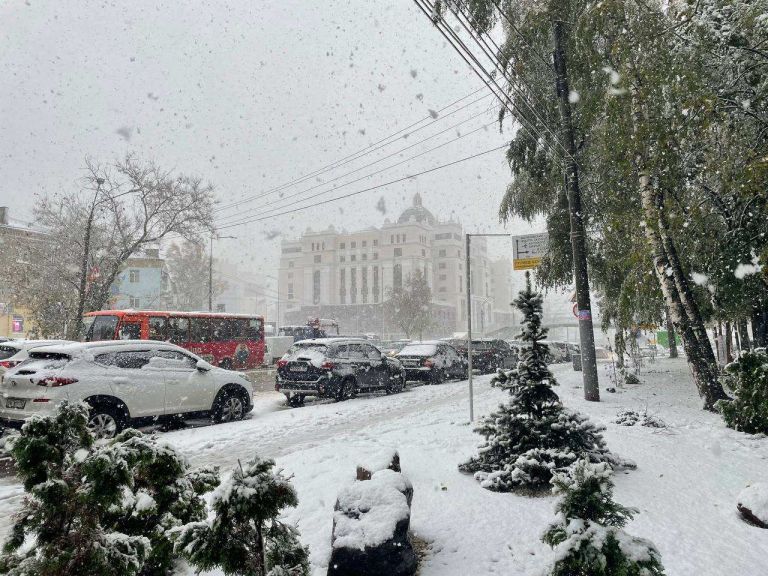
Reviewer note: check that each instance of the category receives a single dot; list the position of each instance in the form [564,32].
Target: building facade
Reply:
[142,284]
[347,276]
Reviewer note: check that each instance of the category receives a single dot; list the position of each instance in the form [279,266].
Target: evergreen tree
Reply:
[530,437]
[747,378]
[587,537]
[245,536]
[103,508]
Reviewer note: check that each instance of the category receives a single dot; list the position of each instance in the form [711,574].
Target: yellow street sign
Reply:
[526,263]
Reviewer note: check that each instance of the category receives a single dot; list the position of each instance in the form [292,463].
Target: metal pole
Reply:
[469,330]
[210,277]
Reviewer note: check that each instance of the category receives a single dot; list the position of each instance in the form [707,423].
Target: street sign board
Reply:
[528,250]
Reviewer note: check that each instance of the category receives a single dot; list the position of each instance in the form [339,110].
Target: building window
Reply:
[441,266]
[133,276]
[397,277]
[392,239]
[365,256]
[323,245]
[375,256]
[375,283]
[341,258]
[441,253]
[423,252]
[342,246]
[353,244]
[221,307]
[316,287]
[443,277]
[318,258]
[290,264]
[364,284]
[134,302]
[398,252]
[353,258]
[461,283]
[290,290]
[353,285]
[403,238]
[343,286]
[441,289]
[375,242]
[365,243]
[290,275]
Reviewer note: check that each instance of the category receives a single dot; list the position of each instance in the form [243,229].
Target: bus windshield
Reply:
[99,327]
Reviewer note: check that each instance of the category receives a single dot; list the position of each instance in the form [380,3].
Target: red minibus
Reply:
[232,341]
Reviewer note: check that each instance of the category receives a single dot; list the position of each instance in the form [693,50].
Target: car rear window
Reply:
[419,349]
[480,344]
[297,349]
[45,361]
[7,352]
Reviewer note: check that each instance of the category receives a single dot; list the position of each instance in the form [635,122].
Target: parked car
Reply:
[433,361]
[488,355]
[14,352]
[123,382]
[392,347]
[558,351]
[336,368]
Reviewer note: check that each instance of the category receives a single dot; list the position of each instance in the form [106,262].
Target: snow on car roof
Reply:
[73,348]
[172,313]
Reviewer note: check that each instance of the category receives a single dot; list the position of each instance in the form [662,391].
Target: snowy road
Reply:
[686,484]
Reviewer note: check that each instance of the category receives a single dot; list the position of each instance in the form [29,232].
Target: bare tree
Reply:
[187,265]
[121,209]
[411,305]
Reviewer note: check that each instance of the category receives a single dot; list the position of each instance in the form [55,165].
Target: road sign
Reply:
[528,250]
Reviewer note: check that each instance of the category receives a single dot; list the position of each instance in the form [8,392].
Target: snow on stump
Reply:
[370,528]
[753,504]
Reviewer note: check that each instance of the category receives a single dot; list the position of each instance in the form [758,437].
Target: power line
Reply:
[259,209]
[383,185]
[360,153]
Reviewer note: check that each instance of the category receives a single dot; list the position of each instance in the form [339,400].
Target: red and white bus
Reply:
[232,341]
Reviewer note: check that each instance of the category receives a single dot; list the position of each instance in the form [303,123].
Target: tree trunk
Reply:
[743,334]
[77,325]
[621,348]
[759,325]
[671,336]
[728,343]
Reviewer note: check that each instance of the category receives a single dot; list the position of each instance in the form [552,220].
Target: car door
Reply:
[359,363]
[453,362]
[187,389]
[138,384]
[378,373]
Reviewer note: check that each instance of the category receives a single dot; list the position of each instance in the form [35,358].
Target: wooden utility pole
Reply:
[578,248]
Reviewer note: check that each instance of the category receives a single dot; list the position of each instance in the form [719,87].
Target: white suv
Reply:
[14,352]
[123,381]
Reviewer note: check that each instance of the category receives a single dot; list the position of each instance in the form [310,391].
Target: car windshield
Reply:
[419,350]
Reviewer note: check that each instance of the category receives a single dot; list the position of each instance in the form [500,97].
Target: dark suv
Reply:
[488,355]
[335,368]
[433,362]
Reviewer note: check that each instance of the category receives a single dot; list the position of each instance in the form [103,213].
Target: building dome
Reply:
[417,212]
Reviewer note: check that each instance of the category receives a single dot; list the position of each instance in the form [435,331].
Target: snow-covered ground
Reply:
[686,487]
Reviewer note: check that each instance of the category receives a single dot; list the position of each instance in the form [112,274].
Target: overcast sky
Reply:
[248,95]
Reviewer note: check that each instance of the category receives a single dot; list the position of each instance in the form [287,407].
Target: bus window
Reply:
[240,328]
[255,329]
[220,330]
[199,330]
[178,330]
[158,328]
[102,328]
[130,331]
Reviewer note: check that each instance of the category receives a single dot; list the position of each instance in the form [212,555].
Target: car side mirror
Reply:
[203,366]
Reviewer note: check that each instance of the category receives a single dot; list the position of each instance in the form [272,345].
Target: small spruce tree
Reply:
[747,378]
[99,508]
[588,536]
[245,537]
[532,435]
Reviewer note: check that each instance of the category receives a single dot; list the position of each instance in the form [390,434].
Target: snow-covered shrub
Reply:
[532,436]
[98,508]
[632,417]
[753,504]
[588,536]
[245,535]
[747,379]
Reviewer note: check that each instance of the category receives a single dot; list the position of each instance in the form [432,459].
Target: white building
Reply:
[347,276]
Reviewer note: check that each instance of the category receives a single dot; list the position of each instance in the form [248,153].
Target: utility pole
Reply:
[467,247]
[84,262]
[581,278]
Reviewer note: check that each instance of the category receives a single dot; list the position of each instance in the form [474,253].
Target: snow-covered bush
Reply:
[632,417]
[588,536]
[245,535]
[532,436]
[98,508]
[747,379]
[753,504]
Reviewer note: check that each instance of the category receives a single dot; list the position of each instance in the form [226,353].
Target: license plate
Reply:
[18,403]
[298,368]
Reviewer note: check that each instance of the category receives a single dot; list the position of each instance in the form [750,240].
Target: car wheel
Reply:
[437,376]
[228,406]
[105,421]
[296,401]
[345,388]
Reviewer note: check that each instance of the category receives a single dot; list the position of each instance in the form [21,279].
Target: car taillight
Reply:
[55,381]
[277,386]
[282,363]
[328,365]
[429,362]
[9,363]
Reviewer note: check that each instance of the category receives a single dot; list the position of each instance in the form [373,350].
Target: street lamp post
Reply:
[468,245]
[210,271]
